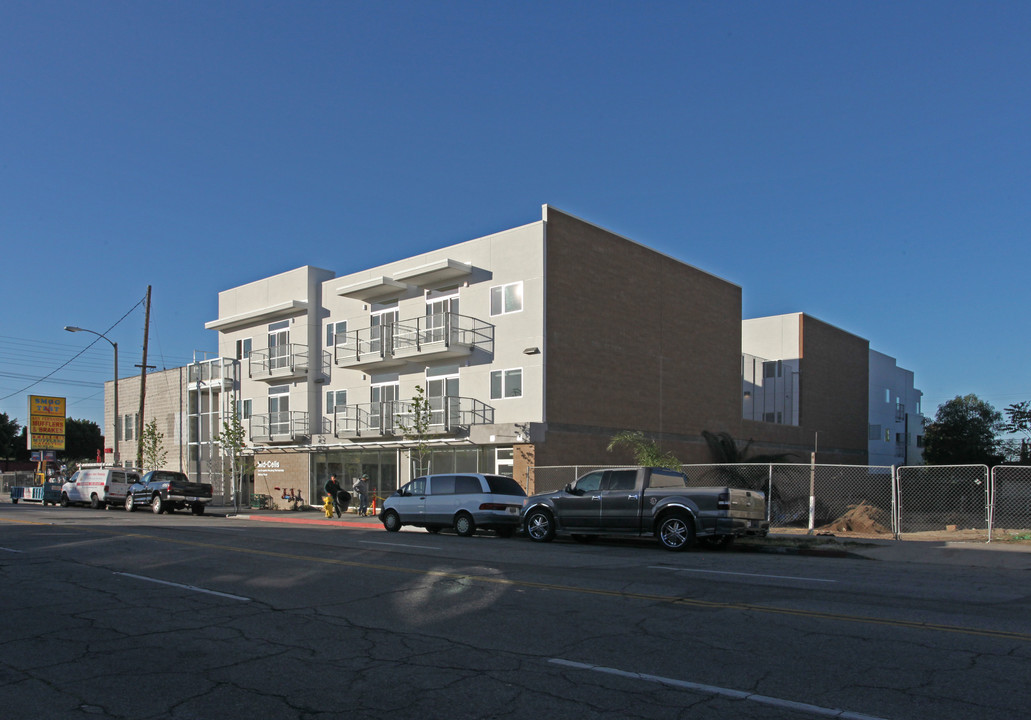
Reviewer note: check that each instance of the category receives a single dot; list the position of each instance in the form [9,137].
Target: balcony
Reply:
[277,427]
[215,374]
[448,416]
[281,362]
[424,338]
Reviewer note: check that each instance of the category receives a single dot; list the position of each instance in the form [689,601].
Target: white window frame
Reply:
[333,331]
[500,297]
[504,376]
[333,400]
[246,407]
[243,348]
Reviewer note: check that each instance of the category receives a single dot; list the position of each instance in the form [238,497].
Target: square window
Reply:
[505,299]
[506,384]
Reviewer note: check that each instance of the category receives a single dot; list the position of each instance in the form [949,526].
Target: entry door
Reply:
[381,410]
[279,345]
[279,410]
[440,312]
[382,324]
[442,394]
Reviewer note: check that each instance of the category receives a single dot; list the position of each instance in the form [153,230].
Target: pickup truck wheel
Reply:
[94,501]
[198,508]
[675,532]
[391,521]
[64,500]
[157,505]
[129,507]
[540,526]
[464,524]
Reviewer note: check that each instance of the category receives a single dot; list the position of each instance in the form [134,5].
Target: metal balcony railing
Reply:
[397,417]
[280,361]
[217,372]
[437,335]
[279,426]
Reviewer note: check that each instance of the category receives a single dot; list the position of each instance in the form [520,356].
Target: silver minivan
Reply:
[463,501]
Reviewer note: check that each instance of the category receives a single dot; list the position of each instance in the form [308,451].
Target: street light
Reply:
[72,328]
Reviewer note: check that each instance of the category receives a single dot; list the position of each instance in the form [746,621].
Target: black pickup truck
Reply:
[645,501]
[165,491]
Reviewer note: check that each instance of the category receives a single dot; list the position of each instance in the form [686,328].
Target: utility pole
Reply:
[143,384]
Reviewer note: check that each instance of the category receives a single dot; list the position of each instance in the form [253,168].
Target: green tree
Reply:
[82,440]
[153,442]
[1018,422]
[645,450]
[233,438]
[418,430]
[9,429]
[964,432]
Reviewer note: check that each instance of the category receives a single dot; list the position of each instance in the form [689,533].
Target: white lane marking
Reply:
[192,588]
[727,572]
[390,544]
[7,549]
[723,692]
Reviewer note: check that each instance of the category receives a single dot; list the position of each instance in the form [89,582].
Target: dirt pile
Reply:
[860,518]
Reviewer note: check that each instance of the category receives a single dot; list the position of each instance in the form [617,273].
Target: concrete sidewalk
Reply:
[1002,555]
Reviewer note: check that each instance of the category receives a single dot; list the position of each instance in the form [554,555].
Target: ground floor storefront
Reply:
[282,475]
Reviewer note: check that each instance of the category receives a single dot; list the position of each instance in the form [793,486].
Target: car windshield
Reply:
[501,485]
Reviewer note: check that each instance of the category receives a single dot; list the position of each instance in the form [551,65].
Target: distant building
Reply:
[799,371]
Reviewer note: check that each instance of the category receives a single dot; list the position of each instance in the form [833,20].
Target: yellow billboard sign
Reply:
[46,422]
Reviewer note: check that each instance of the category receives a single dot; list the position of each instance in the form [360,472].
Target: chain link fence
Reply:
[1010,506]
[939,502]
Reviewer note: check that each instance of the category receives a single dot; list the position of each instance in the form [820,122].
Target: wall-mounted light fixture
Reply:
[532,351]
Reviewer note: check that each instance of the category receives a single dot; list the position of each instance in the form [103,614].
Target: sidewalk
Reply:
[1002,555]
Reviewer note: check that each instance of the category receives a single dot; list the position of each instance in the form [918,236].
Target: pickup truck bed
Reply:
[646,501]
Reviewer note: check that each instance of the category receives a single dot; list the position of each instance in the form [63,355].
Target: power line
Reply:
[72,359]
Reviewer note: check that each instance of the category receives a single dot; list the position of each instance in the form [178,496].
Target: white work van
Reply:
[98,487]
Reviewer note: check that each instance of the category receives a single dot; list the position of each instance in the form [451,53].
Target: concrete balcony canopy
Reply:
[423,338]
[374,289]
[281,362]
[279,427]
[435,273]
[289,308]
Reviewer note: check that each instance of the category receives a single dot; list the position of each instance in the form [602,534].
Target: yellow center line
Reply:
[667,599]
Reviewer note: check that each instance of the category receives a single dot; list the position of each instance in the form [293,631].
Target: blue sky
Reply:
[868,163]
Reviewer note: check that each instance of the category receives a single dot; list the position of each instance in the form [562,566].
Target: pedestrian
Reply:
[341,498]
[361,489]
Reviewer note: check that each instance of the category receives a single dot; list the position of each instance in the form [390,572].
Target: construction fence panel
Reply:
[939,498]
[1010,515]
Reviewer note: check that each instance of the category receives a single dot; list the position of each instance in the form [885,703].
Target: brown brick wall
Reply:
[635,341]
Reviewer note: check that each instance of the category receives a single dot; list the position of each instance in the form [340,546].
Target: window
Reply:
[128,431]
[506,383]
[506,299]
[335,332]
[467,485]
[243,349]
[666,478]
[443,485]
[773,369]
[245,410]
[335,399]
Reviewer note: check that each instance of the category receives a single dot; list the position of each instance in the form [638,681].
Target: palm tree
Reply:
[646,451]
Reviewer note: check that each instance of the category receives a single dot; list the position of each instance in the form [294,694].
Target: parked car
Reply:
[646,501]
[465,502]
[166,491]
[98,487]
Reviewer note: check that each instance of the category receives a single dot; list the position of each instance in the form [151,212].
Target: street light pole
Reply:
[72,328]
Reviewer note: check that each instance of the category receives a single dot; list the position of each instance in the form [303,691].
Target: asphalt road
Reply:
[112,615]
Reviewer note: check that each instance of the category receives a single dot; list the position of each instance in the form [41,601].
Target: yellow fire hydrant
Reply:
[327,505]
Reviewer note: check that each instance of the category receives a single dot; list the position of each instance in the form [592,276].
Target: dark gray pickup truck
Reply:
[645,501]
[165,491]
